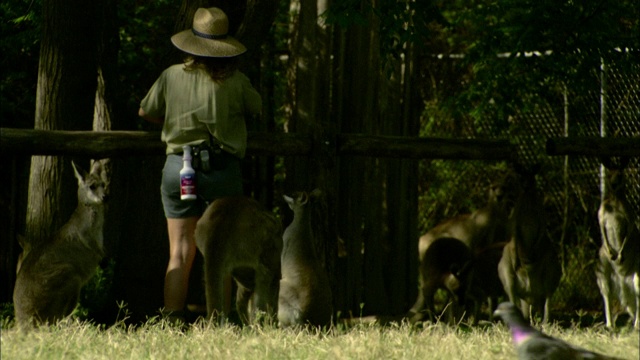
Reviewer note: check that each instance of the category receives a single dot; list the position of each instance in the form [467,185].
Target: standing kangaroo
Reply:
[529,268]
[305,294]
[618,271]
[238,237]
[50,276]
[476,230]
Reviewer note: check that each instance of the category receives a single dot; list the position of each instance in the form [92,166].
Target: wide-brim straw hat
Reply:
[208,36]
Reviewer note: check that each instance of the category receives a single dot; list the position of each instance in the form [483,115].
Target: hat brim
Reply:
[191,44]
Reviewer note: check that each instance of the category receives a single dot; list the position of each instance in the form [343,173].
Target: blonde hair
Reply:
[218,68]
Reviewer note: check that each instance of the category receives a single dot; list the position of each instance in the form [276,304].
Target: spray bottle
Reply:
[187,176]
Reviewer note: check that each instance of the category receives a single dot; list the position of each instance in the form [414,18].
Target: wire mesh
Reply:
[609,105]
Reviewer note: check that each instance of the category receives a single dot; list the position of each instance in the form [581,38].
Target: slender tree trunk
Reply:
[64,100]
[302,90]
[401,240]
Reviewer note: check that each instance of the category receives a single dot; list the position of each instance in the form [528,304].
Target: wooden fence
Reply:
[102,144]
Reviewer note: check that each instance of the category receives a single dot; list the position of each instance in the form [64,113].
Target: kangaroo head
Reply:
[301,198]
[297,200]
[92,186]
[616,183]
[503,190]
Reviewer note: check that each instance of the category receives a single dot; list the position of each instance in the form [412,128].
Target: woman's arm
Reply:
[151,119]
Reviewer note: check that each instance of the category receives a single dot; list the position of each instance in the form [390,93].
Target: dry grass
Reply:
[157,340]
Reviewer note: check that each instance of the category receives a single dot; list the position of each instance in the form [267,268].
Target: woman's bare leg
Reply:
[182,251]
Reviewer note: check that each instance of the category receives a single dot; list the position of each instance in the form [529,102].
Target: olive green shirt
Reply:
[193,105]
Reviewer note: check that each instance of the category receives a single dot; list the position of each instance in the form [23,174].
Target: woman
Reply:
[203,101]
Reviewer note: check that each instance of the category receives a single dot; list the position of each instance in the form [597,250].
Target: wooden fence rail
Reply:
[101,144]
[594,146]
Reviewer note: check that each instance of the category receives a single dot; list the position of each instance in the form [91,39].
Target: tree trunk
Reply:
[301,174]
[66,85]
[401,195]
[354,80]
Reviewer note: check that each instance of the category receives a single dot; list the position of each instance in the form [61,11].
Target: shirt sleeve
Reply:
[154,103]
[252,99]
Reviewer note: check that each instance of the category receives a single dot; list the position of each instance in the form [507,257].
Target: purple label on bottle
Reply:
[187,184]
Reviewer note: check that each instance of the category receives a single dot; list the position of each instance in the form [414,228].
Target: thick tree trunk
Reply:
[66,85]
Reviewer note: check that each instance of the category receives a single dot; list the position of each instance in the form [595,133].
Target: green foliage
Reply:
[145,48]
[511,49]
[6,315]
[453,188]
[19,45]
[98,293]
[578,287]
[399,23]
[348,13]
[520,47]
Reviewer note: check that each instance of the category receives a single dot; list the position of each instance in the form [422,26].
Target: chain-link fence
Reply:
[610,105]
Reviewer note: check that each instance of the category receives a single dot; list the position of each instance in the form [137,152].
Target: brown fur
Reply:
[305,293]
[476,230]
[238,237]
[485,284]
[529,269]
[479,229]
[446,265]
[618,271]
[50,276]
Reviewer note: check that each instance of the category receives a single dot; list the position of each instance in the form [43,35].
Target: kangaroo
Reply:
[305,294]
[238,237]
[50,276]
[529,268]
[485,284]
[446,265]
[618,271]
[476,230]
[480,228]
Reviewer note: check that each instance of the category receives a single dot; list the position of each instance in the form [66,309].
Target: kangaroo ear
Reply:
[304,197]
[99,168]
[24,244]
[288,200]
[79,172]
[96,167]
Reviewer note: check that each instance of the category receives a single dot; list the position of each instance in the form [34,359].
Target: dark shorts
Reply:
[209,186]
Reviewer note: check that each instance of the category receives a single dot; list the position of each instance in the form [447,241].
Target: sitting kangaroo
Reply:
[305,294]
[238,237]
[618,271]
[50,276]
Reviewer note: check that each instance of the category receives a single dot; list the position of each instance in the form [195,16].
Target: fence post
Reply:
[603,121]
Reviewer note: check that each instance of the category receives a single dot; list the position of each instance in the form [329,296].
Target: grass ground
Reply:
[158,340]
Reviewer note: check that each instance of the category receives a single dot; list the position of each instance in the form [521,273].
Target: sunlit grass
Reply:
[157,340]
